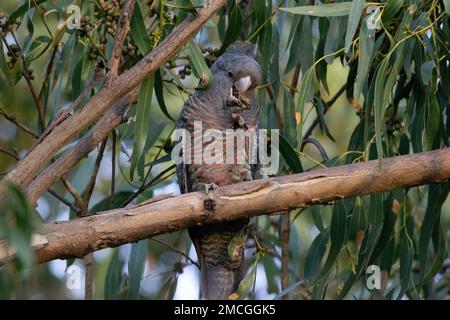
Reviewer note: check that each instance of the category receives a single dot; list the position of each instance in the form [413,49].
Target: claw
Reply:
[210,186]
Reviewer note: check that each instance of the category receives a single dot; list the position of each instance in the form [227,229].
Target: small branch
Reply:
[9,153]
[121,33]
[176,250]
[20,125]
[26,74]
[47,74]
[78,200]
[319,147]
[285,230]
[91,184]
[151,183]
[113,168]
[64,201]
[329,104]
[88,276]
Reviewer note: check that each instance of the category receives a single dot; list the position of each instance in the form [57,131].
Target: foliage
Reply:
[392,60]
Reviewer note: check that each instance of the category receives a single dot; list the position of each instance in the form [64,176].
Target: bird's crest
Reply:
[246,48]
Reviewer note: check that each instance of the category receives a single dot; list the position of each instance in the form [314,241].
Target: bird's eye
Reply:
[230,74]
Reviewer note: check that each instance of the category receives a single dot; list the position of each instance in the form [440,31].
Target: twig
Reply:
[113,168]
[20,125]
[328,105]
[88,276]
[176,250]
[91,184]
[121,33]
[319,147]
[152,182]
[26,74]
[9,153]
[78,200]
[47,74]
[64,200]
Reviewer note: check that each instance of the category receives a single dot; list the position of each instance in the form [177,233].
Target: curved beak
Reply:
[243,84]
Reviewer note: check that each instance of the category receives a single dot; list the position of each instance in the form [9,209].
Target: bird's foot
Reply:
[238,121]
[210,187]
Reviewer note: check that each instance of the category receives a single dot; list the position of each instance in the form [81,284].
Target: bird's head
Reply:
[238,68]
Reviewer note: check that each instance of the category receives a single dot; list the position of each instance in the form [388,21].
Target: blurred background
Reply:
[167,260]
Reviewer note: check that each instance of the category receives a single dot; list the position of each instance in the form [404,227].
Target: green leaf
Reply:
[323,10]
[289,155]
[334,36]
[306,50]
[383,91]
[38,47]
[321,118]
[235,23]
[237,243]
[272,271]
[426,70]
[433,120]
[440,255]
[406,256]
[113,277]
[314,256]
[391,10]
[4,71]
[142,122]
[303,96]
[375,222]
[338,236]
[24,9]
[199,65]
[18,221]
[159,93]
[289,129]
[316,213]
[105,204]
[366,46]
[437,194]
[353,22]
[247,283]
[76,80]
[139,32]
[136,268]
[447,6]
[358,221]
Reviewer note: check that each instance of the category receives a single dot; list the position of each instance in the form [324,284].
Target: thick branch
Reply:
[31,165]
[76,238]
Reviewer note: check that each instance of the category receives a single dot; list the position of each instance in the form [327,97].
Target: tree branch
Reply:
[111,120]
[30,166]
[77,238]
[123,26]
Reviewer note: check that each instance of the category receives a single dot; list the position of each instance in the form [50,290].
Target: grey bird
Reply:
[229,102]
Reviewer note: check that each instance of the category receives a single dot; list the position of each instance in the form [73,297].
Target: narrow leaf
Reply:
[323,10]
[353,22]
[199,65]
[142,121]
